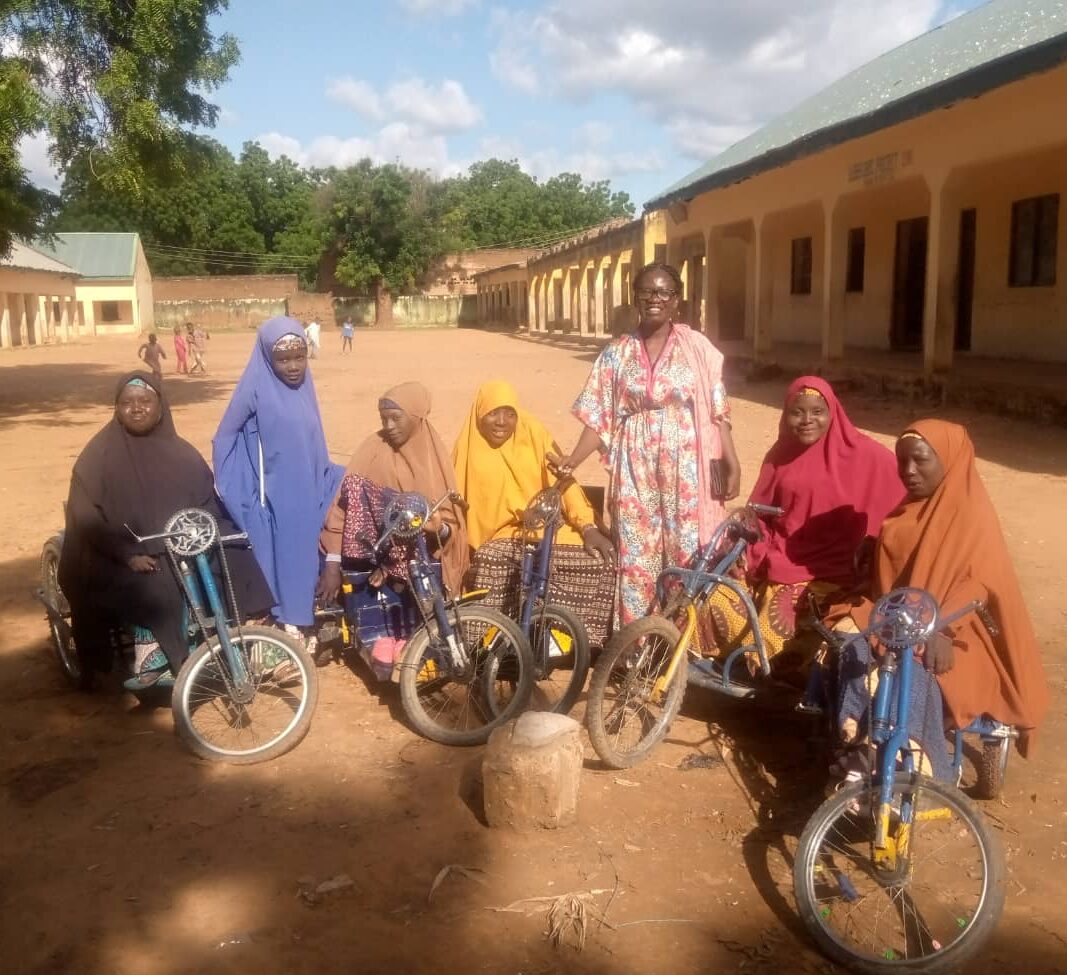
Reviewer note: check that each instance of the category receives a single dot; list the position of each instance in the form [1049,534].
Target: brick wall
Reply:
[225,287]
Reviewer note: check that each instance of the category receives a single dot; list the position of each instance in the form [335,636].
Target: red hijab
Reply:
[835,493]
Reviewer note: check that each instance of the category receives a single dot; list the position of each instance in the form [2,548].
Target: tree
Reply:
[284,200]
[113,86]
[497,204]
[386,227]
[199,222]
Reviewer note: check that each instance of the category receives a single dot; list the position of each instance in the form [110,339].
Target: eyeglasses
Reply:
[646,294]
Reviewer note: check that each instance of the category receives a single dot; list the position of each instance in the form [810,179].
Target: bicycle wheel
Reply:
[275,720]
[62,637]
[462,706]
[928,911]
[561,653]
[625,715]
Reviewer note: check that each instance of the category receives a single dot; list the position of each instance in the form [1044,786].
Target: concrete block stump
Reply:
[531,771]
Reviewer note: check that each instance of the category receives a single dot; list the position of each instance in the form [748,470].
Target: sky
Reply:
[639,92]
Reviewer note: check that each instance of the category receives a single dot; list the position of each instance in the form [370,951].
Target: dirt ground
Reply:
[121,853]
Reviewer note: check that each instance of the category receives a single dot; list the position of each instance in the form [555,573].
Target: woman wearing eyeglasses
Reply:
[655,406]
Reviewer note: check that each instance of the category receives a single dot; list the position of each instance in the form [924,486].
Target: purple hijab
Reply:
[272,428]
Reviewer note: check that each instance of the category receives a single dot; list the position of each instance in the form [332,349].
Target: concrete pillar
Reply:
[24,320]
[834,270]
[711,288]
[64,318]
[942,258]
[567,311]
[5,321]
[762,291]
[599,320]
[583,323]
[617,297]
[531,306]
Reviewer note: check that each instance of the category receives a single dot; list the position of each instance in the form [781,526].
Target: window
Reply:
[857,251]
[109,311]
[800,275]
[1034,223]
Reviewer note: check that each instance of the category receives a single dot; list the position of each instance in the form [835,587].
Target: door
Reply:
[909,285]
[965,290]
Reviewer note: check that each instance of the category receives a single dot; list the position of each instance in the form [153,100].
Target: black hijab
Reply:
[141,481]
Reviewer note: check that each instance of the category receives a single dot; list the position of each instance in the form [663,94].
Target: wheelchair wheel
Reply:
[217,726]
[926,904]
[62,636]
[626,715]
[462,707]
[561,655]
[991,767]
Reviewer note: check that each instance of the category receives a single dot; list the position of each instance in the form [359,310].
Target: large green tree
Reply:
[198,222]
[113,85]
[386,228]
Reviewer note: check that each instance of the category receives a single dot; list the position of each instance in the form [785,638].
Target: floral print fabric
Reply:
[644,415]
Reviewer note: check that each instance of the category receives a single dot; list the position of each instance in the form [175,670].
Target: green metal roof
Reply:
[991,46]
[94,255]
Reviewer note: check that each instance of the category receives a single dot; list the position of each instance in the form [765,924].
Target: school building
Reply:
[74,284]
[912,207]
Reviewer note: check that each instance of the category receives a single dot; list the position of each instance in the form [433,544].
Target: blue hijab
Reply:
[273,428]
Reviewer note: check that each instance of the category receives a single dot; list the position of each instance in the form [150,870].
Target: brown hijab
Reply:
[422,464]
[951,545]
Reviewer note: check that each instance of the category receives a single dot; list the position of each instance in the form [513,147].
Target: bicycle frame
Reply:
[892,742]
[698,584]
[206,604]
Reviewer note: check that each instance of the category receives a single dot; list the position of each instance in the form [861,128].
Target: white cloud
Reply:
[590,162]
[442,108]
[440,8]
[395,142]
[357,95]
[709,72]
[511,66]
[33,153]
[445,107]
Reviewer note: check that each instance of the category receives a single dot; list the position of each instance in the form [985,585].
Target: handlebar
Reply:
[453,497]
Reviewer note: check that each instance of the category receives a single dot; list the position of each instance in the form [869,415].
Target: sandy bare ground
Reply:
[121,853]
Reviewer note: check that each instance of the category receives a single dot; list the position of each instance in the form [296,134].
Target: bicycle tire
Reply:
[418,656]
[557,618]
[991,768]
[625,642]
[62,640]
[848,805]
[195,672]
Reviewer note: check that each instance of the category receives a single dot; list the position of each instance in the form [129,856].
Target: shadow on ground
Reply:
[57,392]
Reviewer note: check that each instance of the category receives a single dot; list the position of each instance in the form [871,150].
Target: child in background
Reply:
[151,352]
[181,351]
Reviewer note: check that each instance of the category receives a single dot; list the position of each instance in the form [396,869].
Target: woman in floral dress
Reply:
[655,406]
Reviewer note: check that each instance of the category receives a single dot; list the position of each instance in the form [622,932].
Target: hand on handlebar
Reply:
[938,654]
[561,467]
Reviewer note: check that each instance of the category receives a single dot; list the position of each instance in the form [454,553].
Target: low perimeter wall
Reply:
[239,313]
[409,311]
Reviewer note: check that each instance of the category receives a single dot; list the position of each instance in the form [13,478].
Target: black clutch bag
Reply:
[717,471]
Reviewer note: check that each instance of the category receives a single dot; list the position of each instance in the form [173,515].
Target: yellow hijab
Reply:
[499,482]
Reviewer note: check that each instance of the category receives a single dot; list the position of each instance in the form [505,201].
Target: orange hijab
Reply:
[422,464]
[951,544]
